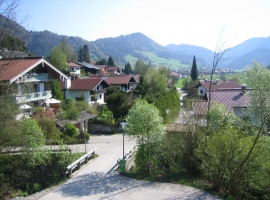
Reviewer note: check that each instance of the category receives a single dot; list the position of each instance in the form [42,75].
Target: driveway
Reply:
[99,180]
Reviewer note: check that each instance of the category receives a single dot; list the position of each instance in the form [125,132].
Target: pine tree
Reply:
[110,62]
[194,70]
[86,54]
[80,54]
[128,69]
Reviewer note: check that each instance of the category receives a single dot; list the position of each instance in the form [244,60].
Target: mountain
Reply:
[120,48]
[198,51]
[243,54]
[128,48]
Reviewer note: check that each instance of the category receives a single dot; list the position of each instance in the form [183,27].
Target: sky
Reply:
[195,22]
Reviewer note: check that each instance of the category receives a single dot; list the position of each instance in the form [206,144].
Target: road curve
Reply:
[98,179]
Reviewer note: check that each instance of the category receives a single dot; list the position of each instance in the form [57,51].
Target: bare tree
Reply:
[11,24]
[220,50]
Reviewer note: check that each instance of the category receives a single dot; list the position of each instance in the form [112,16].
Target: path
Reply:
[98,179]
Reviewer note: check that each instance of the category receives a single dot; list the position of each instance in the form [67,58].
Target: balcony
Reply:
[92,93]
[35,77]
[23,98]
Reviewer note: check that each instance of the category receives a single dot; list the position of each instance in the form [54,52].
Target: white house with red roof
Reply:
[124,83]
[32,78]
[75,69]
[204,86]
[91,89]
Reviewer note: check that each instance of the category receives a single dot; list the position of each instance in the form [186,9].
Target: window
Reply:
[201,91]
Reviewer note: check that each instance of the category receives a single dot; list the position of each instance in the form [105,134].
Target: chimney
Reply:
[67,83]
[244,86]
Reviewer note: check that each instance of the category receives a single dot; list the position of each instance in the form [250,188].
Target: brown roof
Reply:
[71,64]
[89,84]
[115,68]
[118,80]
[9,69]
[101,66]
[217,85]
[200,107]
[231,99]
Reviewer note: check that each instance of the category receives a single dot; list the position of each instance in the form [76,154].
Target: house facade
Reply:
[90,89]
[123,83]
[75,69]
[31,78]
[89,68]
[204,86]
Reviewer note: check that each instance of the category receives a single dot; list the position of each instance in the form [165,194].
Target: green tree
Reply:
[118,102]
[110,62]
[86,54]
[58,59]
[229,159]
[71,130]
[128,68]
[140,67]
[67,50]
[145,124]
[57,92]
[101,62]
[194,70]
[80,57]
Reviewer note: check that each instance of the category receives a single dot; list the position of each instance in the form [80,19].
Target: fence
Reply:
[79,162]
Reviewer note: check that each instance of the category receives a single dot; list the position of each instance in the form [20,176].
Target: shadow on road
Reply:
[110,185]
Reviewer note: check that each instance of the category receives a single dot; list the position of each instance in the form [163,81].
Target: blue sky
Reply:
[196,22]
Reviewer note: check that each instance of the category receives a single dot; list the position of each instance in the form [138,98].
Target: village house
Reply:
[32,78]
[204,86]
[123,83]
[74,68]
[89,68]
[90,89]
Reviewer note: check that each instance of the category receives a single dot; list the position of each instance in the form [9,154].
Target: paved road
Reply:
[98,179]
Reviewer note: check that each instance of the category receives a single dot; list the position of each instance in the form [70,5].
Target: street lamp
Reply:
[85,131]
[123,125]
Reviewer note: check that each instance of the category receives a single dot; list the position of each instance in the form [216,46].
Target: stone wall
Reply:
[101,128]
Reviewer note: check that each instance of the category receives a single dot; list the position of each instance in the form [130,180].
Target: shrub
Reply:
[71,130]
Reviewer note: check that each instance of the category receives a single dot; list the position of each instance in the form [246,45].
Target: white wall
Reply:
[199,91]
[73,94]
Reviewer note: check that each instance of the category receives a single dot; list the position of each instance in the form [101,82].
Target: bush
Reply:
[71,130]
[87,136]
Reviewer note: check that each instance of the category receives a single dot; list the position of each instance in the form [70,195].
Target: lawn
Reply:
[155,60]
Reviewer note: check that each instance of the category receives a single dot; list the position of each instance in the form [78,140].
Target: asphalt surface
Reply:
[99,180]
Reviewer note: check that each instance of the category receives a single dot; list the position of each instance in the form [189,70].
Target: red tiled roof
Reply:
[231,99]
[216,84]
[112,68]
[92,63]
[89,84]
[101,66]
[174,74]
[9,69]
[200,107]
[117,80]
[71,64]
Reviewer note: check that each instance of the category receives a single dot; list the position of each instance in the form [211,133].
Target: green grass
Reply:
[171,63]
[180,83]
[240,75]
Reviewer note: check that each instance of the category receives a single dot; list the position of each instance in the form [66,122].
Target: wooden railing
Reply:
[78,162]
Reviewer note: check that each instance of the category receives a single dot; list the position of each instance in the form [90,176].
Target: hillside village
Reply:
[211,134]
